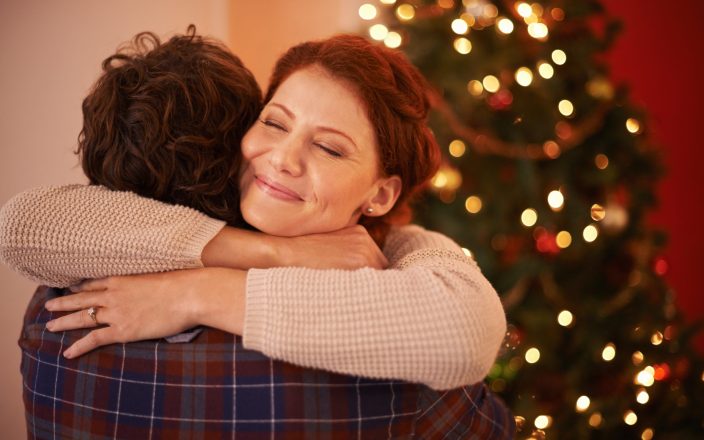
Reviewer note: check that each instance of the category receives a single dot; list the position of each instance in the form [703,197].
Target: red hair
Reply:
[396,99]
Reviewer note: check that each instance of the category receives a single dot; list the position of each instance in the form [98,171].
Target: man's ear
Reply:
[383,200]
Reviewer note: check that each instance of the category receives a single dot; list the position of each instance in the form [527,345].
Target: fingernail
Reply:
[50,325]
[49,305]
[68,354]
[74,288]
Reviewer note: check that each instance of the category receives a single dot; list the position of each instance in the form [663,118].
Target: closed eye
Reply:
[329,151]
[272,124]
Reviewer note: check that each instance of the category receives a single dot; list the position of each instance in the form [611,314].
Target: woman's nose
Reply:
[287,157]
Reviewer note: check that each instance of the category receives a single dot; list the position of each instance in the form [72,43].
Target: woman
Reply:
[314,166]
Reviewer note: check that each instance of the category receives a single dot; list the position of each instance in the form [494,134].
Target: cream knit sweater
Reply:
[432,317]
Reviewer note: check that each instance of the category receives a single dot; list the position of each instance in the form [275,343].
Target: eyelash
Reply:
[329,151]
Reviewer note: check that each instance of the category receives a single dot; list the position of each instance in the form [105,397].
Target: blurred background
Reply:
[51,53]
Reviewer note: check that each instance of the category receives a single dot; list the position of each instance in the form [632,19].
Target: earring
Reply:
[369,210]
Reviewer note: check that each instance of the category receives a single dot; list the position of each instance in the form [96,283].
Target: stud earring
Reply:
[369,210]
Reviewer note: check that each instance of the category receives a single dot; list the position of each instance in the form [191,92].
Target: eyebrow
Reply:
[291,115]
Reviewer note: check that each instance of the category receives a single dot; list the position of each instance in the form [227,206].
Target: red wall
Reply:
[660,55]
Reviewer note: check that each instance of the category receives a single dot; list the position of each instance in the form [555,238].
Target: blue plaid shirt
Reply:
[215,388]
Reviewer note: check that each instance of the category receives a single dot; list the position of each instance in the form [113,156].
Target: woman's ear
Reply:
[388,189]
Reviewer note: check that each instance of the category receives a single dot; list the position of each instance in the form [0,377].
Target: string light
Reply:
[475,88]
[467,252]
[647,434]
[565,107]
[632,125]
[490,11]
[551,149]
[642,397]
[556,200]
[393,40]
[491,83]
[565,318]
[563,239]
[457,148]
[637,358]
[598,212]
[542,421]
[532,355]
[630,418]
[524,76]
[524,9]
[367,11]
[504,25]
[459,26]
[645,377]
[601,161]
[378,32]
[446,4]
[656,338]
[529,217]
[538,30]
[462,45]
[388,2]
[405,12]
[473,204]
[557,14]
[537,9]
[558,57]
[595,420]
[609,352]
[582,404]
[545,70]
[590,233]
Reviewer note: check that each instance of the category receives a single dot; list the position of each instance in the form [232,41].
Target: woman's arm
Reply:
[432,318]
[60,235]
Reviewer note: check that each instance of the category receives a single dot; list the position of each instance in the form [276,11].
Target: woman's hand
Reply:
[349,248]
[139,307]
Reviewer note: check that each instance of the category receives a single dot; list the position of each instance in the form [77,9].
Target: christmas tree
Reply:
[548,174]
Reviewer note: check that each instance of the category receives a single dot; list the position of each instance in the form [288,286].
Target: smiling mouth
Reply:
[275,190]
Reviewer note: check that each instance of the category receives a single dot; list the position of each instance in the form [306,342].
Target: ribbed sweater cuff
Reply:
[255,316]
[203,232]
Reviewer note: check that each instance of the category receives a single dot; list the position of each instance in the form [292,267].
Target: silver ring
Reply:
[92,312]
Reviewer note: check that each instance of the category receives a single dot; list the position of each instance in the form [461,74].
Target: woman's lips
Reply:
[276,190]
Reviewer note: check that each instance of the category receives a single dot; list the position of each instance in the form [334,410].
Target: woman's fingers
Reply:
[91,341]
[88,285]
[77,301]
[76,320]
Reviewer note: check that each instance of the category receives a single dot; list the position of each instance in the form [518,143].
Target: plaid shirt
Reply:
[215,388]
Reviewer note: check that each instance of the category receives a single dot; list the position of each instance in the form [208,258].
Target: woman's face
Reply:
[310,161]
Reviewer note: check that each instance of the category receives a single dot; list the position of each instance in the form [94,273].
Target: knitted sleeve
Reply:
[47,238]
[431,318]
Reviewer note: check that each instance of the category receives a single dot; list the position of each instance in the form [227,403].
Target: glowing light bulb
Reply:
[582,404]
[475,88]
[556,200]
[595,420]
[457,148]
[490,11]
[532,355]
[529,217]
[632,125]
[491,83]
[551,149]
[524,76]
[646,377]
[656,339]
[545,70]
[393,40]
[473,204]
[559,57]
[630,418]
[388,2]
[446,4]
[367,11]
[642,397]
[524,9]
[565,107]
[609,352]
[462,45]
[405,12]
[378,32]
[542,421]
[647,434]
[557,14]
[538,30]
[459,26]
[590,233]
[637,358]
[601,161]
[598,212]
[504,25]
[563,239]
[467,252]
[565,318]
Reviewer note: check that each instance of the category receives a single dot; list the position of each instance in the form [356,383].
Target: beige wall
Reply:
[51,51]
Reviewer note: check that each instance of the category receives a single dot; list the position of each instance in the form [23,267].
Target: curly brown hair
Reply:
[165,121]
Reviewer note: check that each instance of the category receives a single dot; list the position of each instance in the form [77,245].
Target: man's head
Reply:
[166,120]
